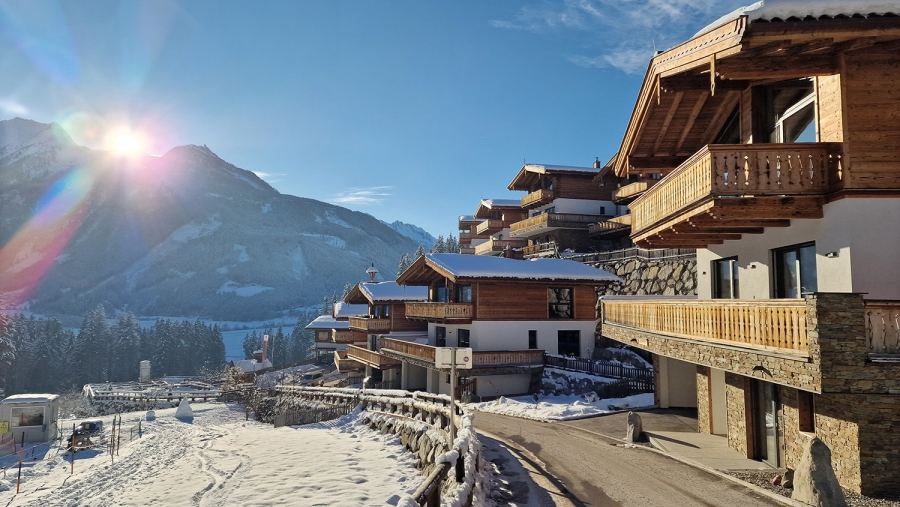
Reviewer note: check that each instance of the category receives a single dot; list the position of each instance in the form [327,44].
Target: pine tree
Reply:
[451,245]
[278,341]
[347,288]
[126,355]
[405,262]
[439,245]
[92,347]
[419,252]
[302,340]
[251,344]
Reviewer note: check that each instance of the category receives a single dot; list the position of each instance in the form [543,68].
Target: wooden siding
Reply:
[580,187]
[528,301]
[871,90]
[401,323]
[829,114]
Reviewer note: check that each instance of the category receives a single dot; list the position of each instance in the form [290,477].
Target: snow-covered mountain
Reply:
[413,232]
[184,234]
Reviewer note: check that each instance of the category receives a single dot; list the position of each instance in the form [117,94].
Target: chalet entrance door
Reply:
[769,433]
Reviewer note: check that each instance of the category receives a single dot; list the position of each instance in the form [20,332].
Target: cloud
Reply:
[11,107]
[371,195]
[625,31]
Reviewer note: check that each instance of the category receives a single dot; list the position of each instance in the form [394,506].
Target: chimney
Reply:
[596,162]
[372,272]
[265,346]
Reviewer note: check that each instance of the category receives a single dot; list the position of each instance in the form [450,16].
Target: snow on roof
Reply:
[250,365]
[470,218]
[544,168]
[390,291]
[342,309]
[490,203]
[484,266]
[407,336]
[329,322]
[29,398]
[784,9]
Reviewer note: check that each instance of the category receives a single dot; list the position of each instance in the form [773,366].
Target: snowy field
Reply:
[559,408]
[218,458]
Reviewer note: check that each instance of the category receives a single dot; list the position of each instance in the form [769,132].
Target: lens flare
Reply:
[127,144]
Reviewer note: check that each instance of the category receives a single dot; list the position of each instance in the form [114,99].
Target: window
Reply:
[440,336]
[602,210]
[27,416]
[788,111]
[806,411]
[532,339]
[463,337]
[795,270]
[442,295]
[569,343]
[731,131]
[725,278]
[463,293]
[560,303]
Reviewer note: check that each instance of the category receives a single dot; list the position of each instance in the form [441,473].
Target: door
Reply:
[768,423]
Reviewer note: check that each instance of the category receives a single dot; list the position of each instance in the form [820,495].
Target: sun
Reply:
[127,143]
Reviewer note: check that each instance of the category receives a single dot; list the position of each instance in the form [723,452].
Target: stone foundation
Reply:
[668,277]
[704,404]
[738,417]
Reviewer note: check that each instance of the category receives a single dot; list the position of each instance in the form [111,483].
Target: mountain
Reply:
[419,235]
[183,234]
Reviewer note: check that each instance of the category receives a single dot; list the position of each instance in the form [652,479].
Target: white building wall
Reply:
[577,207]
[862,231]
[513,335]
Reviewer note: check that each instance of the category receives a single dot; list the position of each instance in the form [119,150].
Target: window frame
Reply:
[570,333]
[532,339]
[734,285]
[553,312]
[778,269]
[440,336]
[459,338]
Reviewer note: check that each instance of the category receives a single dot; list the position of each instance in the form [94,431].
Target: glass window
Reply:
[560,303]
[731,131]
[789,111]
[725,278]
[440,336]
[463,293]
[795,271]
[442,295]
[27,416]
[463,336]
[532,339]
[569,343]
[386,311]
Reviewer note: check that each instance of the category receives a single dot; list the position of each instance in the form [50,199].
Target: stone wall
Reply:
[670,277]
[738,417]
[704,408]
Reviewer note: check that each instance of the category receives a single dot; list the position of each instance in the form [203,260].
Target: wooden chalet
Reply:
[508,311]
[561,203]
[333,335]
[468,237]
[497,215]
[385,317]
[771,143]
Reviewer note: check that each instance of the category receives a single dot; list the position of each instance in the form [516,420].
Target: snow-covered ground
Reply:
[218,458]
[559,408]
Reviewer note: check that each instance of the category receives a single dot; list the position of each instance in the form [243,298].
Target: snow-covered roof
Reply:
[470,218]
[784,9]
[346,310]
[545,168]
[329,322]
[390,291]
[250,365]
[492,203]
[29,398]
[484,266]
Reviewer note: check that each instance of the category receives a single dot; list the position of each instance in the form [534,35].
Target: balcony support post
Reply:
[404,375]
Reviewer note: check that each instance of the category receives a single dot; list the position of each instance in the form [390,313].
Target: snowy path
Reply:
[220,459]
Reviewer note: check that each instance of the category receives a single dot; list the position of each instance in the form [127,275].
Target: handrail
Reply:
[632,189]
[440,310]
[507,357]
[556,220]
[370,357]
[498,245]
[370,323]
[417,350]
[538,196]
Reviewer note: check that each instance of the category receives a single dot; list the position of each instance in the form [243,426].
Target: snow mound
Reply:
[151,415]
[184,410]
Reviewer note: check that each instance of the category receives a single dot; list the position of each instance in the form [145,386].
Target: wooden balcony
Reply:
[347,336]
[466,250]
[632,190]
[487,358]
[723,191]
[497,246]
[550,221]
[370,325]
[538,198]
[775,324]
[612,228]
[490,227]
[440,311]
[883,329]
[371,358]
[344,364]
[540,250]
[465,238]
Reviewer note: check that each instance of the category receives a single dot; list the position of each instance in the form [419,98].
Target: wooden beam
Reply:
[698,106]
[721,116]
[655,162]
[701,82]
[668,121]
[777,67]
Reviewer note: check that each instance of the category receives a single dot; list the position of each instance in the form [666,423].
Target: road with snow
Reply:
[597,471]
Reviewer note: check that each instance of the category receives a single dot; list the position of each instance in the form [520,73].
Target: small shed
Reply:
[33,415]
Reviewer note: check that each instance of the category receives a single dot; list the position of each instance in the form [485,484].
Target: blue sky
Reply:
[407,110]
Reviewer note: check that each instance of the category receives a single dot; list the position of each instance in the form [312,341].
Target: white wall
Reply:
[513,335]
[502,385]
[865,232]
[719,408]
[677,383]
[577,207]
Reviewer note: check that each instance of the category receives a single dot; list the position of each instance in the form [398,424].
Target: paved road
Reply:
[597,471]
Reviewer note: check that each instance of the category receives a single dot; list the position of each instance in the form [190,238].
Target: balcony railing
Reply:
[490,226]
[370,357]
[370,324]
[538,198]
[883,327]
[493,246]
[553,221]
[769,324]
[466,251]
[485,358]
[344,364]
[440,311]
[729,170]
[539,249]
[632,189]
[465,237]
[609,227]
[346,336]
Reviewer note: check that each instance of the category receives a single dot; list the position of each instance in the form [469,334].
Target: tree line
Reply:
[40,355]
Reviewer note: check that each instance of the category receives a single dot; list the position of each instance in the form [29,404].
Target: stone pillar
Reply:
[404,375]
[704,400]
[739,417]
[662,381]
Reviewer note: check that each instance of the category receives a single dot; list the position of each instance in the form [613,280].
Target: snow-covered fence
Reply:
[422,421]
[602,368]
